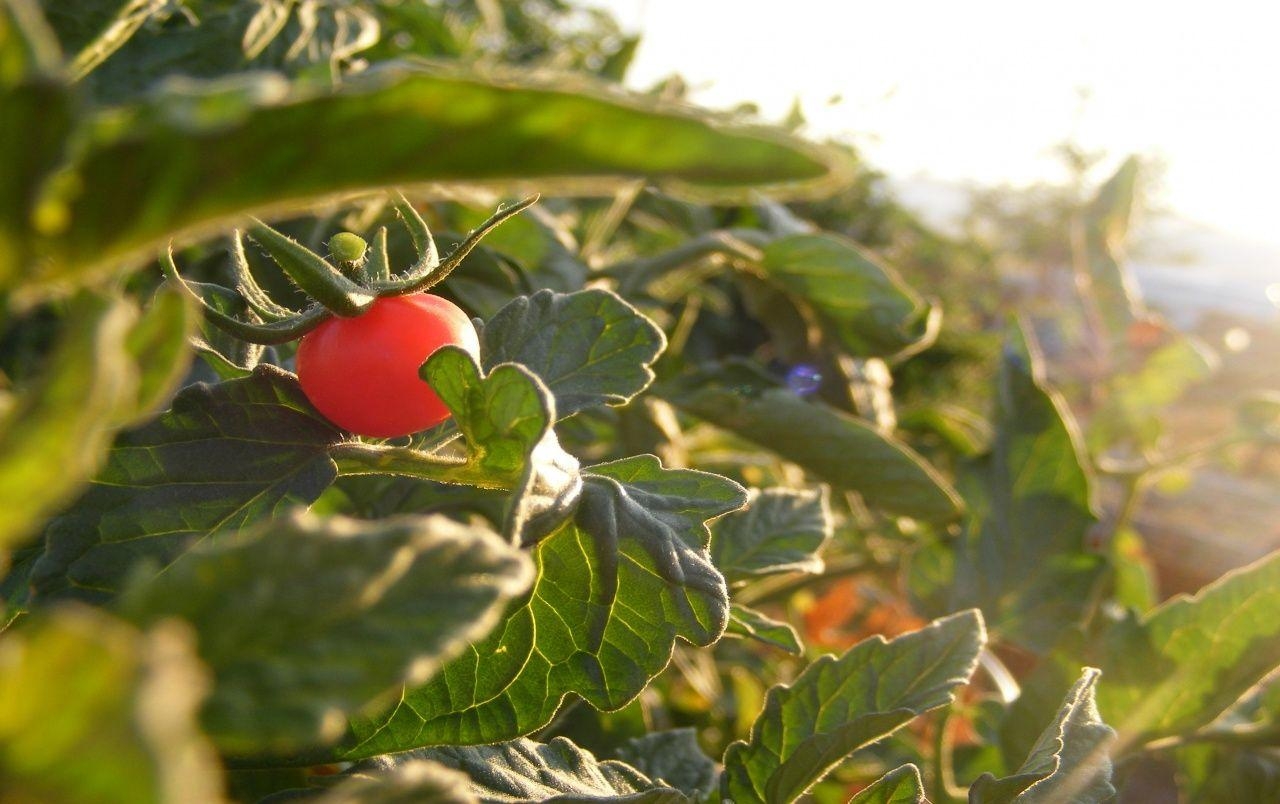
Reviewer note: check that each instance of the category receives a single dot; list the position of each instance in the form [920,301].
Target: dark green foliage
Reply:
[1023,560]
[839,705]
[302,621]
[212,593]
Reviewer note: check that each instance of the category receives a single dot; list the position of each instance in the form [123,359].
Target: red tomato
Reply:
[362,373]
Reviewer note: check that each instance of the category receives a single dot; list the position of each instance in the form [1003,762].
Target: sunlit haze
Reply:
[979,91]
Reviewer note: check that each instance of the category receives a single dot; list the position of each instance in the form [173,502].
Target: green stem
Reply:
[1172,461]
[1252,736]
[358,458]
[782,586]
[635,274]
[1133,491]
[604,227]
[121,29]
[946,791]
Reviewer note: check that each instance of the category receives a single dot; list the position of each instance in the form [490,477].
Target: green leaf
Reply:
[635,502]
[1113,297]
[863,304]
[502,415]
[413,782]
[600,622]
[222,457]
[1229,773]
[107,368]
[505,418]
[781,530]
[526,771]
[92,710]
[837,706]
[900,786]
[1133,576]
[590,347]
[751,624]
[418,782]
[1138,399]
[53,433]
[191,157]
[28,46]
[1070,761]
[39,109]
[160,346]
[1023,560]
[965,432]
[1191,658]
[845,451]
[672,757]
[303,620]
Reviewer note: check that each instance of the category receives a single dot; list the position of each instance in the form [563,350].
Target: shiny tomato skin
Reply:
[362,373]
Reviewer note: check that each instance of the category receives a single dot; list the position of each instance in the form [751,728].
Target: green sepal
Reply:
[423,243]
[424,276]
[312,273]
[378,266]
[270,334]
[254,296]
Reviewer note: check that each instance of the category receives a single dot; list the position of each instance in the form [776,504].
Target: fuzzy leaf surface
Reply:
[751,624]
[673,757]
[1187,661]
[189,158]
[303,620]
[590,347]
[526,771]
[838,705]
[842,450]
[614,589]
[414,782]
[1023,560]
[864,304]
[1069,762]
[221,458]
[780,530]
[899,786]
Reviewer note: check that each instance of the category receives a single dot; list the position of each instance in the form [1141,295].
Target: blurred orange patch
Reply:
[850,611]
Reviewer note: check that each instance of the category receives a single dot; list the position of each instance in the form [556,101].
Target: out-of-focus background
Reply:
[994,120]
[947,97]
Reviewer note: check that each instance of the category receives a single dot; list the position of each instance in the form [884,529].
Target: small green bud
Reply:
[347,248]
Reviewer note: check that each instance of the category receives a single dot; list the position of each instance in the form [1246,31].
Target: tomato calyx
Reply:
[348,287]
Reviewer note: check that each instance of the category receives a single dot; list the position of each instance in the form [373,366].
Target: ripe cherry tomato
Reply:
[362,373]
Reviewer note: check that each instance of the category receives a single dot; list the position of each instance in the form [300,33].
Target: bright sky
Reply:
[979,90]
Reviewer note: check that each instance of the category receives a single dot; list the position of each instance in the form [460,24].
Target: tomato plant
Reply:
[362,373]
[688,423]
